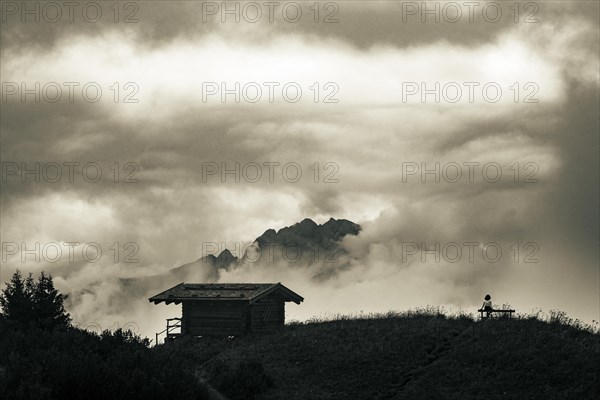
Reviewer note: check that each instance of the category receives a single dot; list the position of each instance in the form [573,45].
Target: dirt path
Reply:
[202,375]
[213,394]
[440,350]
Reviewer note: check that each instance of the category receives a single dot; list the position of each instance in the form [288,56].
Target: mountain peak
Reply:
[305,235]
[225,253]
[226,258]
[308,222]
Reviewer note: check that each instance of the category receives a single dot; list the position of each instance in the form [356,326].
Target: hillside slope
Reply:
[409,356]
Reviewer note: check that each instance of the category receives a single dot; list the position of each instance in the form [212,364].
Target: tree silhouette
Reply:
[48,304]
[26,302]
[16,299]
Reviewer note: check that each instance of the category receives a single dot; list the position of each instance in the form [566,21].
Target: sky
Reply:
[462,136]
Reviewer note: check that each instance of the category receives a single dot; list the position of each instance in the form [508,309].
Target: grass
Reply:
[422,354]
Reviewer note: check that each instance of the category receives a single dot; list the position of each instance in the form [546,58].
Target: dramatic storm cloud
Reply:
[477,128]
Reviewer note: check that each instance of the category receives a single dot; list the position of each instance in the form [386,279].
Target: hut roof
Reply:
[223,291]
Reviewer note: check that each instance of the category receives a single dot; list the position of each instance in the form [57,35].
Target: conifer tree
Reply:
[16,299]
[25,301]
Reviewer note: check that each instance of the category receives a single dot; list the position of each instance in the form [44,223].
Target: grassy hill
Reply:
[415,355]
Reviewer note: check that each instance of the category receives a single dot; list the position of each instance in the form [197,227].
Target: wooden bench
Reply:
[490,312]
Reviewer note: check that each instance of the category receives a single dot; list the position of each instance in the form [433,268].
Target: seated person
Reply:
[487,304]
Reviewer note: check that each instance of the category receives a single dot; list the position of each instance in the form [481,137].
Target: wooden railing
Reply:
[169,330]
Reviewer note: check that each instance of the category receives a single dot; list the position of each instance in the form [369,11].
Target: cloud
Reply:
[356,156]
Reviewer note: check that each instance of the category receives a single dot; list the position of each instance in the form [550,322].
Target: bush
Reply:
[77,364]
[42,357]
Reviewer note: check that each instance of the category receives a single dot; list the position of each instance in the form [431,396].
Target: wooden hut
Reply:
[227,309]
